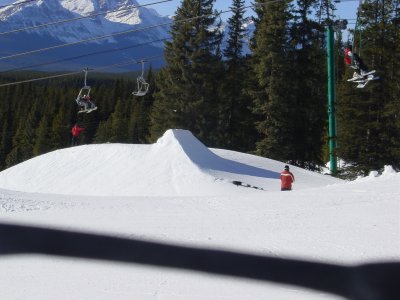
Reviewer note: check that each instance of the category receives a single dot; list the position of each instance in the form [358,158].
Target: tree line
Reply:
[37,118]
[271,102]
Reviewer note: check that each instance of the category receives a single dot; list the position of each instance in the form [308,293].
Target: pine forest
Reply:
[270,101]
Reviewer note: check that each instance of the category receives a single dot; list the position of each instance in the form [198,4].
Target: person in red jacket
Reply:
[347,55]
[287,178]
[354,61]
[76,131]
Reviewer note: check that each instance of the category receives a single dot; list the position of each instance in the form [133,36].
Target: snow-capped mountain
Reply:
[101,33]
[84,19]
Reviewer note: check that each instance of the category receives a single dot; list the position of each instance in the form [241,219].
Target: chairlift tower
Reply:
[331,91]
[331,99]
[331,26]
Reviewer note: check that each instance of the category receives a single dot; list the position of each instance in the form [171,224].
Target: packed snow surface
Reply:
[178,191]
[178,164]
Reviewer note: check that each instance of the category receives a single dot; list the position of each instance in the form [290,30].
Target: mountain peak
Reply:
[71,21]
[80,7]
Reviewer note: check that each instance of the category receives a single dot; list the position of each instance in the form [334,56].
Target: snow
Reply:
[131,17]
[178,191]
[81,7]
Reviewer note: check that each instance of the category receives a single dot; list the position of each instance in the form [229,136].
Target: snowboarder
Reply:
[287,178]
[76,131]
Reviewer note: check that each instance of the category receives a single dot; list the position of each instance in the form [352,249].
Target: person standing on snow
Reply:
[287,178]
[76,131]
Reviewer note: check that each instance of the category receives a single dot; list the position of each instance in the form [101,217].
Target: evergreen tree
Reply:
[187,88]
[103,133]
[5,141]
[26,108]
[139,123]
[14,157]
[119,133]
[368,132]
[59,134]
[42,144]
[236,127]
[393,78]
[24,139]
[307,60]
[273,100]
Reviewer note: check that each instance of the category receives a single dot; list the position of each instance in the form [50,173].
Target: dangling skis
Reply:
[363,83]
[363,79]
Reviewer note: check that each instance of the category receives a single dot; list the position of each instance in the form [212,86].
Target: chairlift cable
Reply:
[127,31]
[83,41]
[41,78]
[79,72]
[80,18]
[83,55]
[86,72]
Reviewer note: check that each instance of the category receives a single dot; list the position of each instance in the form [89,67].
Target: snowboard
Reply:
[89,110]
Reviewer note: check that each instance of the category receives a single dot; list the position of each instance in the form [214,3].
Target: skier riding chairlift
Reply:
[361,76]
[354,61]
[84,99]
[142,85]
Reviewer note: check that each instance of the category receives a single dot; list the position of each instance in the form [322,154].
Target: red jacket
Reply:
[347,56]
[76,130]
[287,178]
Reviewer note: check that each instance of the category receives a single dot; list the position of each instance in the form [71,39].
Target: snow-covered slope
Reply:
[177,191]
[187,167]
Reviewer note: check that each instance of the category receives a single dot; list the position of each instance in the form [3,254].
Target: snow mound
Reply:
[178,164]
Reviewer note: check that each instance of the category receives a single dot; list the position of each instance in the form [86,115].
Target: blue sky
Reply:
[169,8]
[345,10]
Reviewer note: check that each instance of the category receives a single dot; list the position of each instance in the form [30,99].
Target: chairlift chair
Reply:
[142,85]
[85,91]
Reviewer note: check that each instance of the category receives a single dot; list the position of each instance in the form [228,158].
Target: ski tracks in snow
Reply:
[17,202]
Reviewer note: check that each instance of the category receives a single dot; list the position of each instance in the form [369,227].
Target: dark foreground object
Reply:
[375,281]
